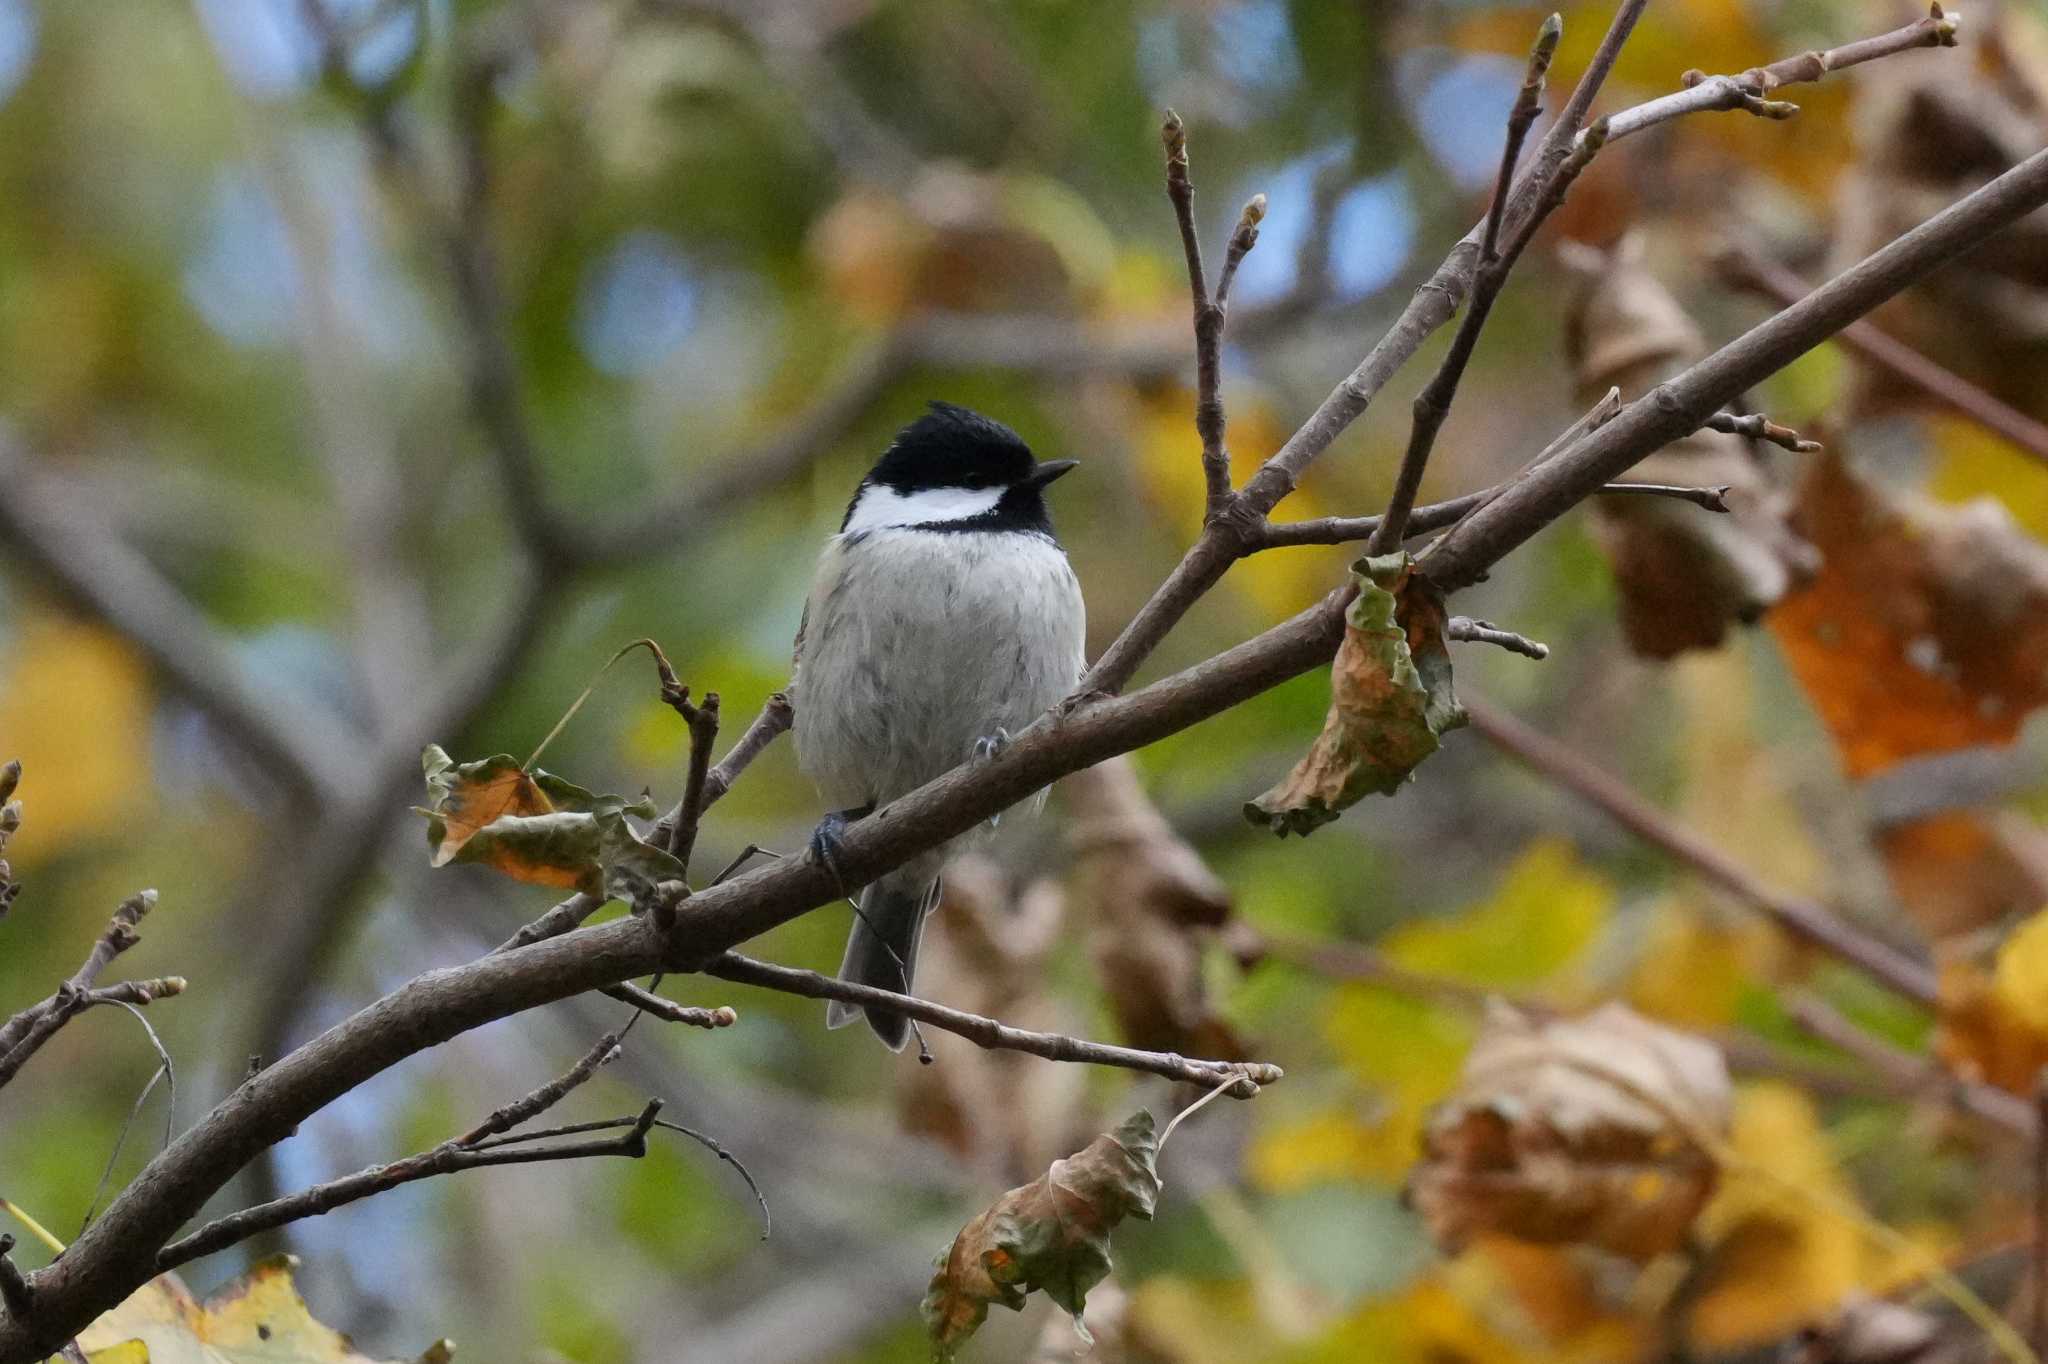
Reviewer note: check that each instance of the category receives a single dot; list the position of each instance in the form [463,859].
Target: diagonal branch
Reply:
[296,744]
[1244,1078]
[1681,405]
[1747,270]
[1807,920]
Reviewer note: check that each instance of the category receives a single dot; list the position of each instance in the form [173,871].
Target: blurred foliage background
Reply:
[230,333]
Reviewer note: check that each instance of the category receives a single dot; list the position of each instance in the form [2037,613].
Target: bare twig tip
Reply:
[1174,134]
[1254,211]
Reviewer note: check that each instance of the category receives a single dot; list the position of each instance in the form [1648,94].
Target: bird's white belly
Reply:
[918,643]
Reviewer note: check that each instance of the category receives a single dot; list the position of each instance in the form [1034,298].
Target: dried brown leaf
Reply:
[1051,1234]
[1575,1130]
[1390,701]
[1684,575]
[1926,629]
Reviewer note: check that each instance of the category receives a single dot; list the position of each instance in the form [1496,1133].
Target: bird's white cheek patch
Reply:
[880,507]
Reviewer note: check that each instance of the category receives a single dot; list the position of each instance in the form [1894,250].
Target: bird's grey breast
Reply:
[917,643]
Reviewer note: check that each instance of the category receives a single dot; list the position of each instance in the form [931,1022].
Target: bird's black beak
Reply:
[1048,470]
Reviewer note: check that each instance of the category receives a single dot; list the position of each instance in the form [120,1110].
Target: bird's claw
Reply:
[827,837]
[988,745]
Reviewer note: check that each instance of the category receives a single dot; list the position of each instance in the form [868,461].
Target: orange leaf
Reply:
[1927,627]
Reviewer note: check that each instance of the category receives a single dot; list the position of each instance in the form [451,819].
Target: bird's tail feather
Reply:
[882,950]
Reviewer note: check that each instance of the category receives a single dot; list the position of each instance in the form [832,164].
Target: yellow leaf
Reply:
[74,707]
[1971,462]
[1778,1260]
[1540,919]
[129,1352]
[1169,463]
[1691,971]
[1995,1027]
[258,1319]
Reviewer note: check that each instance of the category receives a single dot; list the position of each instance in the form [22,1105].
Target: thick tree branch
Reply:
[1807,920]
[987,1032]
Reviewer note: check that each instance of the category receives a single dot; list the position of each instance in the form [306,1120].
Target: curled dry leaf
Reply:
[1683,575]
[1390,701]
[1994,1024]
[538,828]
[1579,1130]
[258,1319]
[1926,629]
[1151,905]
[1051,1234]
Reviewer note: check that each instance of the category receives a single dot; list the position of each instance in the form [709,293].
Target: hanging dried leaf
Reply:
[1683,575]
[1390,701]
[258,1319]
[538,828]
[1927,627]
[1051,1234]
[1576,1130]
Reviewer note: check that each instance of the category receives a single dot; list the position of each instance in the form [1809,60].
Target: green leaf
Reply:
[1391,699]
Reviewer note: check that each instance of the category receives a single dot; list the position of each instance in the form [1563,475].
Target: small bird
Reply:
[943,616]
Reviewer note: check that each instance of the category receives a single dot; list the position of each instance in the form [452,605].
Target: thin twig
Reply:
[1747,270]
[1911,1072]
[1472,631]
[447,1158]
[1528,104]
[1242,239]
[775,719]
[1756,426]
[1433,404]
[1936,30]
[1245,1078]
[1806,920]
[25,1033]
[668,1011]
[1208,313]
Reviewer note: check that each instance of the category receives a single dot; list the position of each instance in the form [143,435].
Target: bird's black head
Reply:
[954,469]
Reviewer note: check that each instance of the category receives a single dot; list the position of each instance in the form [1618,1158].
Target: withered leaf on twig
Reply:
[258,1319]
[1927,627]
[538,828]
[1390,701]
[1683,575]
[1051,1234]
[1575,1130]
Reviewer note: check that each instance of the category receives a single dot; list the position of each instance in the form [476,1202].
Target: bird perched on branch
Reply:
[943,616]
